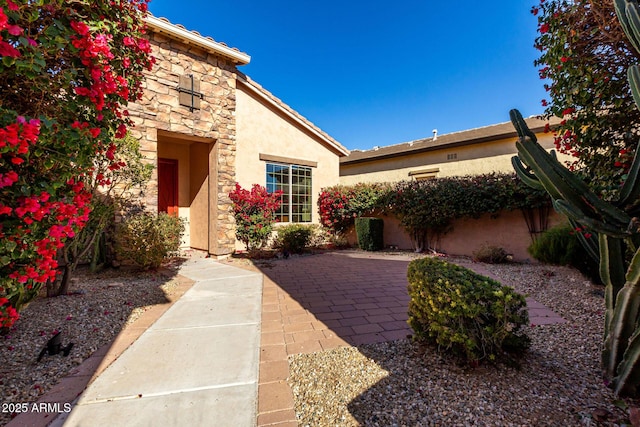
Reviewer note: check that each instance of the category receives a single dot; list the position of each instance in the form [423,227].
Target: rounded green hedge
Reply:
[464,313]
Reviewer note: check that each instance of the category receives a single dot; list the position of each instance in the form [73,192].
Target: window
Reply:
[424,174]
[452,156]
[295,183]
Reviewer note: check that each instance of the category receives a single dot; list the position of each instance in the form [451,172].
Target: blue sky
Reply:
[377,72]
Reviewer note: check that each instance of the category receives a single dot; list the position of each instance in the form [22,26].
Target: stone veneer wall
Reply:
[160,110]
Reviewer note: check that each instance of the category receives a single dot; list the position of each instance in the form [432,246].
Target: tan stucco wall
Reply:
[508,231]
[263,130]
[199,214]
[475,159]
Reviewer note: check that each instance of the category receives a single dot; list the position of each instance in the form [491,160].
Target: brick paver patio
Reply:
[321,302]
[316,303]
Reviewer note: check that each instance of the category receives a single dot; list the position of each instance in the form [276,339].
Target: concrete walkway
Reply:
[197,365]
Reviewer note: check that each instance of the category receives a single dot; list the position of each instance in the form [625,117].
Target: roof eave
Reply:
[452,144]
[184,35]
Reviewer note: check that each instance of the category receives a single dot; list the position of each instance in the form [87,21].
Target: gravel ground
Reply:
[402,383]
[92,315]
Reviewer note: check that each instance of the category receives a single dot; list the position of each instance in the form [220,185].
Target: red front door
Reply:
[168,186]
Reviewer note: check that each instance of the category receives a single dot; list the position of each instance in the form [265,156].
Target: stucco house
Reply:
[470,152]
[205,125]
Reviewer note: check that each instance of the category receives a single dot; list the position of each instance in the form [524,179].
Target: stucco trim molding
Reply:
[288,160]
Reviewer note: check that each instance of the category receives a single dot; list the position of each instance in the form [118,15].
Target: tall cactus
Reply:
[615,223]
[616,230]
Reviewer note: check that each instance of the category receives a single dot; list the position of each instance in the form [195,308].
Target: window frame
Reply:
[291,185]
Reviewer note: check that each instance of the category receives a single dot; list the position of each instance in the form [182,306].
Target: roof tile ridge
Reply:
[195,33]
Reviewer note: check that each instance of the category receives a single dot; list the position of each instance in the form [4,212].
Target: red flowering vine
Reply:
[339,205]
[75,73]
[8,314]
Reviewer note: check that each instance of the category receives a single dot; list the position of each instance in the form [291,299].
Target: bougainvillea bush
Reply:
[115,184]
[67,71]
[339,205]
[255,213]
[426,209]
[584,57]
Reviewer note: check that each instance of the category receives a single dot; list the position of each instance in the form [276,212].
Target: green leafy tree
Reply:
[584,59]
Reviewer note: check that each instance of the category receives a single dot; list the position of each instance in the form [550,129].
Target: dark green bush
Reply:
[294,238]
[559,245]
[491,255]
[370,233]
[464,313]
[145,239]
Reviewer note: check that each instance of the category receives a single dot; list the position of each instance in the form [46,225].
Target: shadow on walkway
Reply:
[338,298]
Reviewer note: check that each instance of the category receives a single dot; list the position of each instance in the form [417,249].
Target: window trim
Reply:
[289,161]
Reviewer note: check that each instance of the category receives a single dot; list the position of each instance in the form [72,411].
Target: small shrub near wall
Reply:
[146,239]
[370,233]
[559,245]
[294,238]
[491,255]
[323,238]
[464,313]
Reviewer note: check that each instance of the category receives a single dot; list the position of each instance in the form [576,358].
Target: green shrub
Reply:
[294,238]
[370,233]
[559,245]
[491,255]
[464,313]
[324,238]
[146,239]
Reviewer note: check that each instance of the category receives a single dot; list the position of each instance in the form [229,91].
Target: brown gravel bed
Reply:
[404,384]
[97,309]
